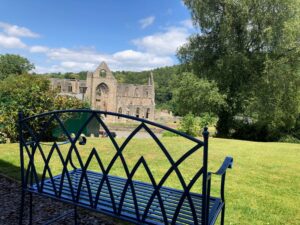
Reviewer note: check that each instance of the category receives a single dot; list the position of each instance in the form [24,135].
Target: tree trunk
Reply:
[224,123]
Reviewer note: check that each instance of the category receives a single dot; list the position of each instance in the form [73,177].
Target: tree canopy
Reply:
[14,64]
[196,96]
[250,48]
[30,94]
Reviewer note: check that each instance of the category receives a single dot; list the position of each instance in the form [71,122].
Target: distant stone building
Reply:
[103,92]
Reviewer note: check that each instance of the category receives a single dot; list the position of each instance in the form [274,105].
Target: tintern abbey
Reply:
[104,92]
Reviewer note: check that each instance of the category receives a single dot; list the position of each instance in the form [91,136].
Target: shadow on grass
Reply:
[9,170]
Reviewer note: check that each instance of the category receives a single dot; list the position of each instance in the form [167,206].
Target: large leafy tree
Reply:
[196,96]
[13,65]
[30,94]
[250,48]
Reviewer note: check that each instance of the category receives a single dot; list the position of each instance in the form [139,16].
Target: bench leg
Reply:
[30,208]
[223,215]
[75,215]
[22,208]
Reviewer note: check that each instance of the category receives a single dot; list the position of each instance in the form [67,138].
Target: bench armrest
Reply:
[228,163]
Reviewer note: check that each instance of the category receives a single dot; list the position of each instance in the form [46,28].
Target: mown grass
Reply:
[262,188]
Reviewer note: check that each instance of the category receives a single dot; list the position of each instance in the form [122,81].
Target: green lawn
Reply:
[263,187]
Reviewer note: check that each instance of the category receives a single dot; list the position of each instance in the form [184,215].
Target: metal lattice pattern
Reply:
[149,203]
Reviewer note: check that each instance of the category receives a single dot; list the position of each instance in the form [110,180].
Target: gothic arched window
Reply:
[102,73]
[102,90]
[147,113]
[137,112]
[70,88]
[119,111]
[136,92]
[126,91]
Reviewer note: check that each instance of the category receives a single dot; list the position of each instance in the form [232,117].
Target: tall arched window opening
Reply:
[119,111]
[137,114]
[136,92]
[147,113]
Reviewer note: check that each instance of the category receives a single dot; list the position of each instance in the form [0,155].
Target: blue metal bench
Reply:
[125,198]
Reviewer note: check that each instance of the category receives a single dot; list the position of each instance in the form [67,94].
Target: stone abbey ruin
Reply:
[104,92]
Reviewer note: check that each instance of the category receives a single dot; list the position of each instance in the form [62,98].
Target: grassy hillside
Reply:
[262,188]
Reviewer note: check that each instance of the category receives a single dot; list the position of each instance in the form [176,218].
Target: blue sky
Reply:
[75,35]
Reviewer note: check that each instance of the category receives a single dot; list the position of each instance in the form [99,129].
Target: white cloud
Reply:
[137,61]
[79,55]
[149,52]
[187,23]
[50,69]
[128,55]
[11,42]
[68,60]
[78,65]
[16,31]
[38,49]
[163,43]
[153,51]
[146,22]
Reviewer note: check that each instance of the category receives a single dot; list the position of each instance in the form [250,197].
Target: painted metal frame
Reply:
[203,204]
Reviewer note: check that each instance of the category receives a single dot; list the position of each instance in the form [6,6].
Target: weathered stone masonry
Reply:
[103,92]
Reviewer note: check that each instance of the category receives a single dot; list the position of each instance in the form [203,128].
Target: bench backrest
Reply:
[35,133]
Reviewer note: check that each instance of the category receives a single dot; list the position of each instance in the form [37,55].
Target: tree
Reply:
[277,100]
[239,45]
[30,94]
[197,96]
[13,65]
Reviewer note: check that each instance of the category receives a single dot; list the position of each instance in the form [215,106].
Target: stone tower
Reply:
[102,89]
[106,94]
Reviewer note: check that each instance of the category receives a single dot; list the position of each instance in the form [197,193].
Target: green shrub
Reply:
[190,125]
[32,95]
[207,119]
[289,139]
[254,132]
[2,138]
[193,126]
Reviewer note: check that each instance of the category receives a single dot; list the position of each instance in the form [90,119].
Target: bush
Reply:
[2,138]
[254,132]
[207,119]
[32,95]
[193,126]
[289,139]
[189,125]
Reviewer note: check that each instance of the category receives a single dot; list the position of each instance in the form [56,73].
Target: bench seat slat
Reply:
[170,198]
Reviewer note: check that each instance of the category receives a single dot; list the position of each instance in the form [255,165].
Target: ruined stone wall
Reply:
[136,100]
[70,86]
[104,93]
